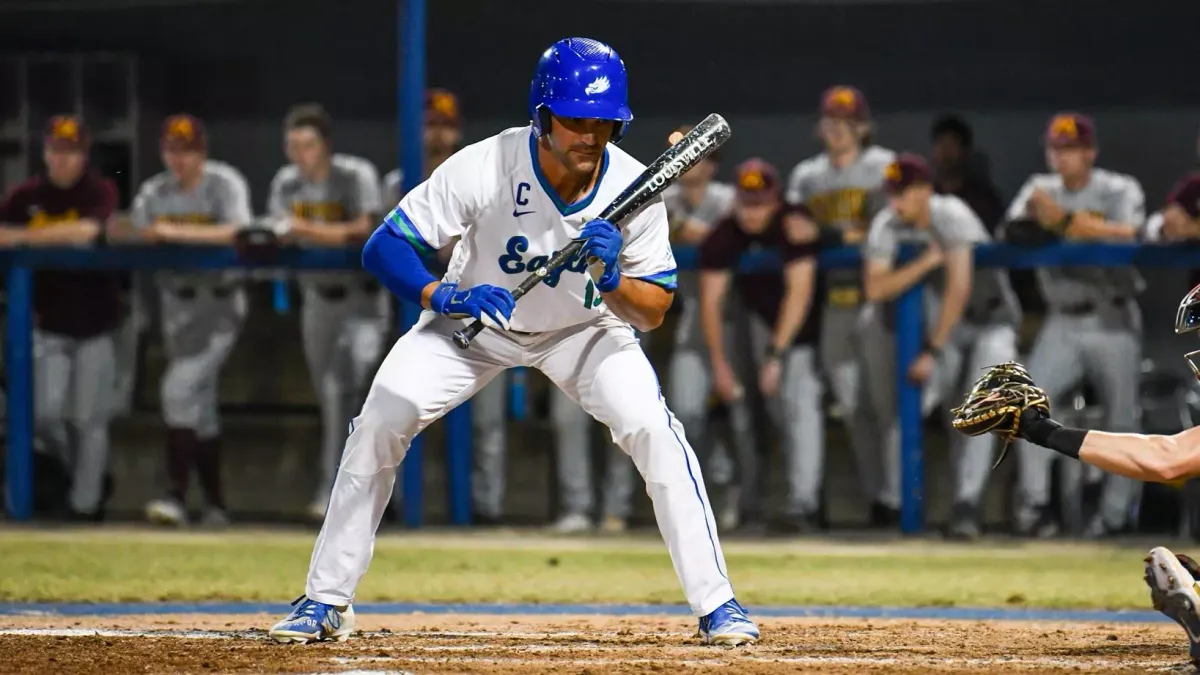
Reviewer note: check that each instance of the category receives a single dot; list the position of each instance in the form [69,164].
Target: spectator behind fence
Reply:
[74,312]
[842,189]
[695,203]
[971,316]
[785,321]
[196,201]
[1093,328]
[960,171]
[332,200]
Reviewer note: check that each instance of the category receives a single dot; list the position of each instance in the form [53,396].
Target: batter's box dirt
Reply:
[525,644]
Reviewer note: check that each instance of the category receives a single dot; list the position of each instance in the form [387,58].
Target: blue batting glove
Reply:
[491,304]
[602,242]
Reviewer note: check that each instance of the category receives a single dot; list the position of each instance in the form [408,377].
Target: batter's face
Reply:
[1070,160]
[442,138]
[64,167]
[754,218]
[699,175]
[579,143]
[187,165]
[840,134]
[911,203]
[306,149]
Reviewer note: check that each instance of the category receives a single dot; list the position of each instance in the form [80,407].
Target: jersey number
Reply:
[591,297]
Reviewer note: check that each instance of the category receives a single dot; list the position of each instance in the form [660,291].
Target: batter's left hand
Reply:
[602,241]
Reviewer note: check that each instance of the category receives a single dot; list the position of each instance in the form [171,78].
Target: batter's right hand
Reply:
[490,304]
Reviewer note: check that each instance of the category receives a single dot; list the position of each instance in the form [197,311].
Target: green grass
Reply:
[132,565]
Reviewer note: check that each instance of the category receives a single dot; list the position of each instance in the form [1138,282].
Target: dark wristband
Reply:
[1039,429]
[931,349]
[773,353]
[1065,222]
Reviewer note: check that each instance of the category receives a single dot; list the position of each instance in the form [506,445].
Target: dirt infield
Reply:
[526,644]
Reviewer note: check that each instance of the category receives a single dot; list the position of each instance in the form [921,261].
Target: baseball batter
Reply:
[331,200]
[1006,401]
[202,202]
[1092,329]
[972,314]
[784,329]
[842,189]
[74,312]
[514,199]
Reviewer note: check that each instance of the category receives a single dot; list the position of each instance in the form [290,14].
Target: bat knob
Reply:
[461,340]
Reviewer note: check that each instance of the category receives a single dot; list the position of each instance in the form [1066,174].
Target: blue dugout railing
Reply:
[19,266]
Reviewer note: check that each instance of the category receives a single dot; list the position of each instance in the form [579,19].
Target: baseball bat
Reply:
[697,144]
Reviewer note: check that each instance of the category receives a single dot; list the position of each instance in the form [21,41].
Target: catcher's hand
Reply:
[997,402]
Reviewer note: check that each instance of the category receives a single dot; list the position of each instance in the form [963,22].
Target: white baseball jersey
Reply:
[494,196]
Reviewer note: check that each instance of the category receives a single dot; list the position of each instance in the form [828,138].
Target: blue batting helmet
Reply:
[580,77]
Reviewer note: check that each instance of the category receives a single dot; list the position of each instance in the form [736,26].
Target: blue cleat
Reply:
[728,625]
[313,621]
[1173,590]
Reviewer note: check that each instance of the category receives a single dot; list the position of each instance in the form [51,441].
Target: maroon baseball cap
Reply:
[757,182]
[845,102]
[1187,194]
[908,169]
[67,133]
[1071,129]
[184,133]
[441,105]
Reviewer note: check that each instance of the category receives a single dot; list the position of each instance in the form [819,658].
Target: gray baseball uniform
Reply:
[985,335]
[689,382]
[848,198]
[345,315]
[1092,332]
[202,313]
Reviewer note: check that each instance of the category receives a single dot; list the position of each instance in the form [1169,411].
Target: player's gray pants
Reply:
[198,336]
[343,342]
[848,335]
[573,450]
[73,386]
[797,412]
[1068,350]
[489,423]
[971,349]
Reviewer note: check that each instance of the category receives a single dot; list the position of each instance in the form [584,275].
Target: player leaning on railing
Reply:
[1006,402]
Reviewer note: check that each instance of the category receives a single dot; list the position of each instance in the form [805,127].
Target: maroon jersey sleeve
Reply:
[793,244]
[723,247]
[102,199]
[13,209]
[1187,194]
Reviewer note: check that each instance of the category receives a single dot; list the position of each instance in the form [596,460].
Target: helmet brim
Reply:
[591,110]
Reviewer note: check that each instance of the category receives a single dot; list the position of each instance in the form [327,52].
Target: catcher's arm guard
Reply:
[996,401]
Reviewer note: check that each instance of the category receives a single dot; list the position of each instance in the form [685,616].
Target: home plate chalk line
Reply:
[826,612]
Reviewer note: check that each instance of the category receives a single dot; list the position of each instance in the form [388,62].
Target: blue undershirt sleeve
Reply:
[396,264]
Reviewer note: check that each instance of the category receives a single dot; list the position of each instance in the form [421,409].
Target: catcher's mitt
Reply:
[996,402]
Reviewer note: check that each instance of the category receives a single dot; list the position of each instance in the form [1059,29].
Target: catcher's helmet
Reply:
[580,77]
[1187,319]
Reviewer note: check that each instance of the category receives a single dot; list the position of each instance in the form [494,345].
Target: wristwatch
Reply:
[773,353]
